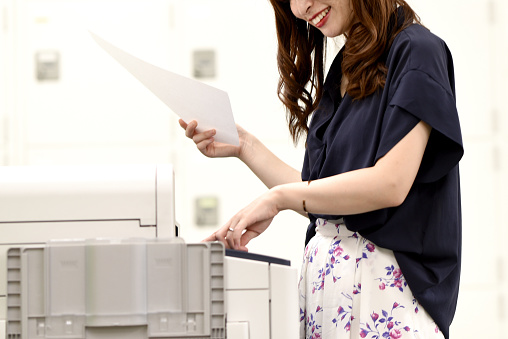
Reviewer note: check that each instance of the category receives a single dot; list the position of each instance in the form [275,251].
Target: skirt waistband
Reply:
[333,228]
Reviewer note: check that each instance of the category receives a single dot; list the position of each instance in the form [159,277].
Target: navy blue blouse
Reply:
[425,231]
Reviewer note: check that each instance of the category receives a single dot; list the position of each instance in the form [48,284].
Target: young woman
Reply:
[380,178]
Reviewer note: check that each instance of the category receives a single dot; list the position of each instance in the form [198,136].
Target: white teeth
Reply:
[320,17]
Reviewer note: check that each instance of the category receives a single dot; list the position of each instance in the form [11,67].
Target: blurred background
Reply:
[63,100]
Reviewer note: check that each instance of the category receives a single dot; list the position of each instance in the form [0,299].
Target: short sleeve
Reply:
[421,88]
[421,98]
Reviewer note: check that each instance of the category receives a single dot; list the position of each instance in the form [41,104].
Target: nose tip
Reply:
[303,6]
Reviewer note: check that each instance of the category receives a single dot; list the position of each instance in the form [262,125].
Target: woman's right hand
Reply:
[206,143]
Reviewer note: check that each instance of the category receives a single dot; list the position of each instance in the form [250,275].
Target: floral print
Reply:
[351,288]
[384,325]
[394,279]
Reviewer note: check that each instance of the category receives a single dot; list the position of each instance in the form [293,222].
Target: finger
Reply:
[182,123]
[247,237]
[222,237]
[198,137]
[236,236]
[210,238]
[191,129]
[230,240]
[202,146]
[223,233]
[230,234]
[243,249]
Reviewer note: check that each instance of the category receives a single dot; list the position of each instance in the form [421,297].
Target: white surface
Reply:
[238,330]
[285,321]
[83,193]
[40,232]
[165,217]
[246,274]
[190,99]
[253,305]
[73,193]
[264,294]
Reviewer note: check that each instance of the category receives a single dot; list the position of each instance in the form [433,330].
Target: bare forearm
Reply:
[349,193]
[271,170]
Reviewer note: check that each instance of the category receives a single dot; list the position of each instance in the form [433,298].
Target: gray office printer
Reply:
[91,252]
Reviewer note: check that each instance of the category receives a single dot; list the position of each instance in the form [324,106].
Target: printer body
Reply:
[92,252]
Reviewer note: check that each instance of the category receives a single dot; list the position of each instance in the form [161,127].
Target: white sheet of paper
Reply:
[188,98]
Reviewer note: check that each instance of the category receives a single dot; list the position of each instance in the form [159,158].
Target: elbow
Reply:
[396,200]
[395,193]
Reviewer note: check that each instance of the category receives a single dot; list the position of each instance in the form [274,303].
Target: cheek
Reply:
[294,9]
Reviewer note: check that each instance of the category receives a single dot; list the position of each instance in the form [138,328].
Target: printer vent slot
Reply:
[218,314]
[13,326]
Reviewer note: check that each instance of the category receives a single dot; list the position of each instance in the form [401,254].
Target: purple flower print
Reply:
[415,302]
[311,259]
[313,328]
[384,325]
[302,315]
[343,314]
[357,288]
[395,334]
[337,251]
[320,283]
[370,247]
[393,278]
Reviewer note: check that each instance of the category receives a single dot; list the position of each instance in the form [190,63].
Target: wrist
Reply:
[292,196]
[278,195]
[246,151]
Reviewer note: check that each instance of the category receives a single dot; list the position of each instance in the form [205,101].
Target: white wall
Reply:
[97,113]
[3,83]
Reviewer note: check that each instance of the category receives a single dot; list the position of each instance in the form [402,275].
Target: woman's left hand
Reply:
[247,224]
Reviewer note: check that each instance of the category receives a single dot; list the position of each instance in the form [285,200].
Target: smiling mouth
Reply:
[320,16]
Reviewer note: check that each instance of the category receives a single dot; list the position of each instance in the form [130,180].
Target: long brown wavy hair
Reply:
[301,54]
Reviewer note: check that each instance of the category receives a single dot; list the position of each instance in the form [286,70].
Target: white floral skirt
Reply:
[351,288]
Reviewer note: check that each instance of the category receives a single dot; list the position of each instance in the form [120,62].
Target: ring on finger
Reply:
[231,230]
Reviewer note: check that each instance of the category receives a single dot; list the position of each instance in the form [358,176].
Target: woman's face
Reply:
[332,17]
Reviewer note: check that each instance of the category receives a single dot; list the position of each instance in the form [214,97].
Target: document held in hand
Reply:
[188,98]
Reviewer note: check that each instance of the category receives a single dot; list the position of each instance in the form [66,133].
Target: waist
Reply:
[332,228]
